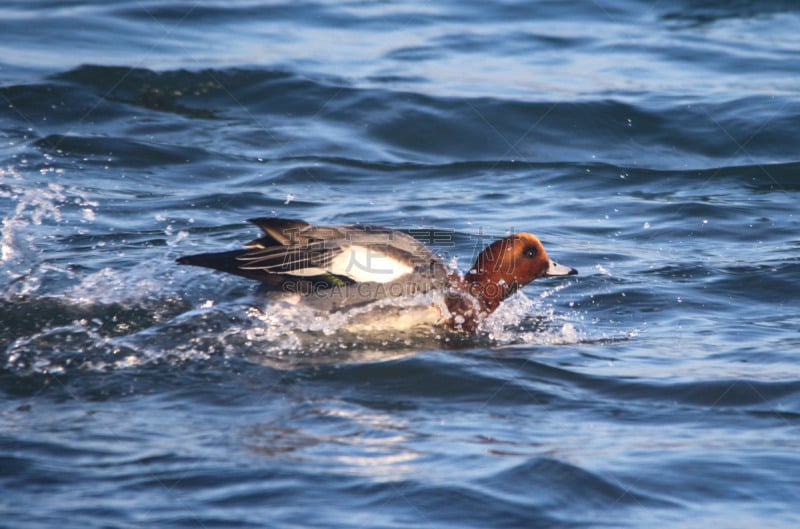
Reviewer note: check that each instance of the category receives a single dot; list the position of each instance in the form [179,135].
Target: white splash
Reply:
[32,206]
[106,286]
[522,320]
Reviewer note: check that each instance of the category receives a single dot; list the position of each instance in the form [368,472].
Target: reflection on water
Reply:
[339,435]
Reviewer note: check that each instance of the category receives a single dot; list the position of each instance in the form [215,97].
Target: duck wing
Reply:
[336,255]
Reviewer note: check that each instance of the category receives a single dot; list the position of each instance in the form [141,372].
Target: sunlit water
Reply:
[651,146]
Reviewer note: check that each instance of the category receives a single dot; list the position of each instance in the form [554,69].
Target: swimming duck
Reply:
[337,267]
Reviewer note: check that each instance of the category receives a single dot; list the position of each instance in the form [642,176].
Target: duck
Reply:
[337,268]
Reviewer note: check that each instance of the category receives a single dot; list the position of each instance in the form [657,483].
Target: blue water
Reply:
[651,145]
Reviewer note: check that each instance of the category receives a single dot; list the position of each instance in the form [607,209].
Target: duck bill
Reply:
[556,269]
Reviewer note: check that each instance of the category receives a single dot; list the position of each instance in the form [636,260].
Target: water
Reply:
[651,145]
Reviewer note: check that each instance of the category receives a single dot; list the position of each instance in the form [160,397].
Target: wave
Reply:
[402,126]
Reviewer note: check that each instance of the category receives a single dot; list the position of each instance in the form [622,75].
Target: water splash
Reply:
[532,321]
[32,206]
[122,321]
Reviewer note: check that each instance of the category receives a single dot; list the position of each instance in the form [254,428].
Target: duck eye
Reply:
[531,252]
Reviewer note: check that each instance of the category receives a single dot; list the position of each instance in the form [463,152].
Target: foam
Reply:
[254,328]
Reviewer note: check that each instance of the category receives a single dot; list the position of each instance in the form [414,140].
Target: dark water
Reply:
[651,145]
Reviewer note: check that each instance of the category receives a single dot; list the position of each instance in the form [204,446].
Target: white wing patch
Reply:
[362,263]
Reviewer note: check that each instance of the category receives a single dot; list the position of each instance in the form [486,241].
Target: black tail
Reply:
[227,262]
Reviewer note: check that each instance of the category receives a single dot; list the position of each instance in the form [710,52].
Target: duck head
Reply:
[507,265]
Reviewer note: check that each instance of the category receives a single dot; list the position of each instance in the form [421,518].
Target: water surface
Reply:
[651,146]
